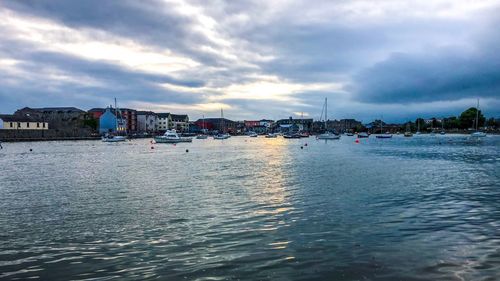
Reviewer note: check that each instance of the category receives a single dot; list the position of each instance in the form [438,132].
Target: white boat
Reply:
[112,138]
[363,135]
[408,132]
[109,138]
[327,135]
[477,133]
[252,134]
[271,135]
[202,136]
[221,136]
[171,136]
[387,135]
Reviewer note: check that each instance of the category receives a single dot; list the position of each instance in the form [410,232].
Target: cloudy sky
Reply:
[256,59]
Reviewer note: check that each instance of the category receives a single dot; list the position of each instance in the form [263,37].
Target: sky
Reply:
[390,59]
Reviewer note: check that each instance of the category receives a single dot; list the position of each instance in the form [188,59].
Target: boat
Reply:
[202,136]
[387,135]
[363,135]
[222,135]
[442,128]
[418,127]
[111,138]
[304,134]
[271,135]
[349,134]
[408,132]
[252,134]
[171,136]
[114,138]
[291,136]
[327,135]
[477,133]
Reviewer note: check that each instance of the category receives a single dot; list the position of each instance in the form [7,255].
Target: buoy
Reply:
[152,147]
[356,141]
[301,147]
[305,144]
[31,149]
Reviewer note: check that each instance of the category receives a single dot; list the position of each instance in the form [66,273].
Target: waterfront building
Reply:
[163,121]
[146,121]
[301,124]
[129,117]
[343,125]
[60,118]
[218,124]
[179,122]
[109,123]
[20,122]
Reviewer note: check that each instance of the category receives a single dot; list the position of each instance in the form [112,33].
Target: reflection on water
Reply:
[421,208]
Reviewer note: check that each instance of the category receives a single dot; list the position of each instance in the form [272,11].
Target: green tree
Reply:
[92,123]
[468,117]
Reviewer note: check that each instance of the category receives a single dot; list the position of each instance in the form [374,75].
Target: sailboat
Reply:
[382,135]
[418,127]
[327,135]
[113,138]
[408,132]
[221,135]
[477,133]
[202,136]
[442,127]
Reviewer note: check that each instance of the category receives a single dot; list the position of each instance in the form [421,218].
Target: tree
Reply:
[468,117]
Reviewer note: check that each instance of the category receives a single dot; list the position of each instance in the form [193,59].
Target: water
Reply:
[421,208]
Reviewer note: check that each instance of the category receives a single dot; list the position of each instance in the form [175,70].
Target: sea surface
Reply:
[420,208]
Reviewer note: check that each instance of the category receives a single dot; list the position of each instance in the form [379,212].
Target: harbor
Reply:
[251,209]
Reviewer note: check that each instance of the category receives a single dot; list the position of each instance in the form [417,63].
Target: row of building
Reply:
[129,121]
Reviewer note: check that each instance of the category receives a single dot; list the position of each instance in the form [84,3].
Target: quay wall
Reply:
[42,135]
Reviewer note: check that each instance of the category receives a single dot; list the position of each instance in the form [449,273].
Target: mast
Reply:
[222,121]
[116,117]
[477,115]
[326,114]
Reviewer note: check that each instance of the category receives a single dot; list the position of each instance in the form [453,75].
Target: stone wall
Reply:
[51,134]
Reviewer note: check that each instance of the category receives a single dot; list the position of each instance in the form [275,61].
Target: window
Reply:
[27,124]
[19,124]
[11,125]
[37,125]
[43,125]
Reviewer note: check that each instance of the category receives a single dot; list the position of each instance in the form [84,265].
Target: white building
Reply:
[146,121]
[163,121]
[17,122]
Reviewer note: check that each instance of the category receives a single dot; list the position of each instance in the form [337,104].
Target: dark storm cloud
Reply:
[421,78]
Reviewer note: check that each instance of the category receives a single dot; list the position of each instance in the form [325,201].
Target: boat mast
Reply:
[116,117]
[477,115]
[326,114]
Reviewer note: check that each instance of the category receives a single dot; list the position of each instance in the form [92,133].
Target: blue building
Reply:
[107,122]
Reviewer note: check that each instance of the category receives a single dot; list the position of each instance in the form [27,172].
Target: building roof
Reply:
[179,117]
[19,118]
[145,113]
[215,120]
[96,109]
[163,115]
[49,109]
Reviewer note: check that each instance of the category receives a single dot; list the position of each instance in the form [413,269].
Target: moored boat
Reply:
[171,136]
[363,135]
[109,138]
[271,135]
